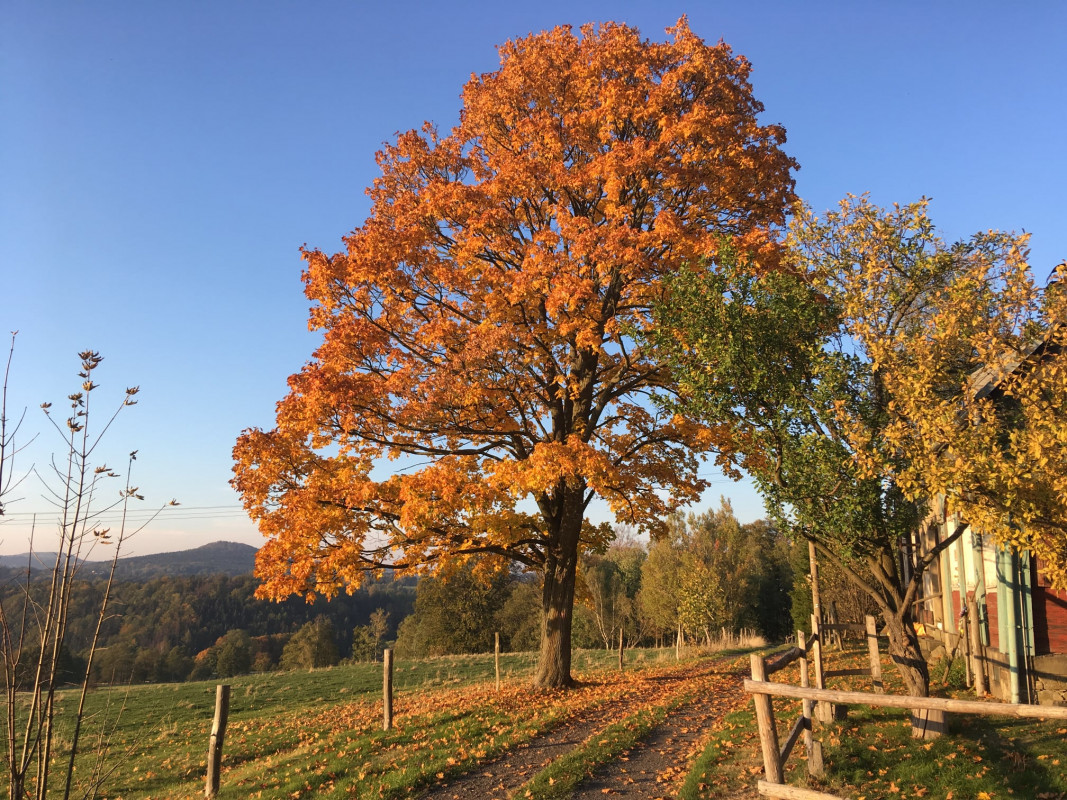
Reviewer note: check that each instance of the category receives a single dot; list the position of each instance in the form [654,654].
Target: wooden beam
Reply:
[843,626]
[768,734]
[847,673]
[784,791]
[907,701]
[783,660]
[799,726]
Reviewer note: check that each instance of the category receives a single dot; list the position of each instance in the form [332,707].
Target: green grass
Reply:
[731,761]
[871,754]
[361,762]
[318,732]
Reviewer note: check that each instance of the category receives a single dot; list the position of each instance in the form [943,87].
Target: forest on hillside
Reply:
[175,628]
[709,576]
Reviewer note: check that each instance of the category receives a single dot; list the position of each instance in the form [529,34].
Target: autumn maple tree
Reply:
[478,325]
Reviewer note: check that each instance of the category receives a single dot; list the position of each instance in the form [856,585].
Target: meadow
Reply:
[319,734]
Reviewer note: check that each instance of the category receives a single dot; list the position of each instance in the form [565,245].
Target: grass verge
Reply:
[871,754]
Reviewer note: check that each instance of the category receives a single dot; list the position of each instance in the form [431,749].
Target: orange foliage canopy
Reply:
[476,324]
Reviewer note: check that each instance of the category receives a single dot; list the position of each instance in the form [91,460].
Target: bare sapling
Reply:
[41,758]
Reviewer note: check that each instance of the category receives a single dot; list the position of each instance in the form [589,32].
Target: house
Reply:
[1020,620]
[1008,603]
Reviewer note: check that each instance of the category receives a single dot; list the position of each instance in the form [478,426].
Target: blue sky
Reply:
[161,164]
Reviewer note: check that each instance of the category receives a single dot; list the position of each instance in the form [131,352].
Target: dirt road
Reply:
[654,768]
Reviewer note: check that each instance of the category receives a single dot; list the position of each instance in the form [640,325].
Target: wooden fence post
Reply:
[823,710]
[620,649]
[496,659]
[977,656]
[387,689]
[872,650]
[218,734]
[812,747]
[813,567]
[768,733]
[835,635]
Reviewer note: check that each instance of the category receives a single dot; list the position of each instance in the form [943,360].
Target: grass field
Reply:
[318,734]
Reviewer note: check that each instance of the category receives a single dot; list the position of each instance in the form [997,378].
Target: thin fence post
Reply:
[831,615]
[218,734]
[872,650]
[768,734]
[387,689]
[813,567]
[812,747]
[976,649]
[823,709]
[496,659]
[620,649]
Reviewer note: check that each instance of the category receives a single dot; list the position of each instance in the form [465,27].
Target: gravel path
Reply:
[656,767]
[648,771]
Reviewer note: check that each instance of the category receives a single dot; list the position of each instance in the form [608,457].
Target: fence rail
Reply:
[762,690]
[981,707]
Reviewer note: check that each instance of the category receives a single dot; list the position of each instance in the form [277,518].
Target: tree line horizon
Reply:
[170,628]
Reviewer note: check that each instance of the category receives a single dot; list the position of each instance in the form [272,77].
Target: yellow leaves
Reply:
[966,366]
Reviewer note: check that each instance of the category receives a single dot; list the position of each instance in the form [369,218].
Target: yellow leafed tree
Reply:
[967,353]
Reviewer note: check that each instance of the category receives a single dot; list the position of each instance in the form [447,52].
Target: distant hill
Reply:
[217,558]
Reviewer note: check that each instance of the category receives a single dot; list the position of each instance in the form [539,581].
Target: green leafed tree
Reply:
[806,372]
[519,618]
[660,575]
[455,612]
[604,597]
[233,654]
[368,640]
[313,646]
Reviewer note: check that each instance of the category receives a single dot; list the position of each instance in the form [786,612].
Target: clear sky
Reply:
[162,162]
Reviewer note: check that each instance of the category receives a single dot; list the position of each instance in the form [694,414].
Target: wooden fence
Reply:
[810,649]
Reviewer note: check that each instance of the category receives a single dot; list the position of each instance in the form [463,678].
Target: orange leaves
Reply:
[476,329]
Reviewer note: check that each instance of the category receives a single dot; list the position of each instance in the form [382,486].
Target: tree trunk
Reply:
[893,601]
[911,664]
[557,600]
[907,656]
[554,666]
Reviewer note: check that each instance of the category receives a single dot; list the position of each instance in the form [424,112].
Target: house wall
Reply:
[1050,615]
[1049,605]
